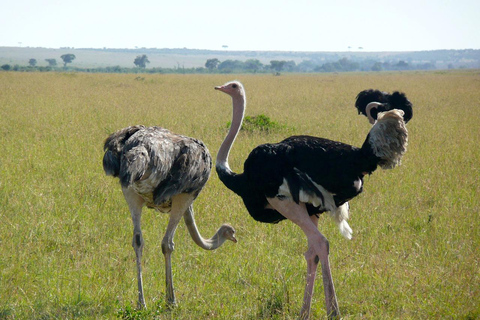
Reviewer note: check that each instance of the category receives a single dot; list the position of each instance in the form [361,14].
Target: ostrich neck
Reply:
[208,244]
[237,118]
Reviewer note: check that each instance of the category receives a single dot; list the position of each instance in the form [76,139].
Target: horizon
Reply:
[232,51]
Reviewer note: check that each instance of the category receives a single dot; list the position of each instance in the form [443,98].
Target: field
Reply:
[66,233]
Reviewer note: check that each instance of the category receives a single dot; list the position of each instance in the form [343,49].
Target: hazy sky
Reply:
[299,25]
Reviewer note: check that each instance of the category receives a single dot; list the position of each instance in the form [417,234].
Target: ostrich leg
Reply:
[312,264]
[180,204]
[330,297]
[135,204]
[317,252]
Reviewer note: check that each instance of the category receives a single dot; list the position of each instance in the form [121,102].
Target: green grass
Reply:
[65,230]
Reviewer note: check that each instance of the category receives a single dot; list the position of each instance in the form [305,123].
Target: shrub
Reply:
[259,123]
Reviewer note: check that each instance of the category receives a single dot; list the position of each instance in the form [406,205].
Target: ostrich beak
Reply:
[221,88]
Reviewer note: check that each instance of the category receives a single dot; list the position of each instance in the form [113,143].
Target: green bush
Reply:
[259,123]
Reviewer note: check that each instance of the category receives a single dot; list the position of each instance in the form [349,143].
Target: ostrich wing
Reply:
[156,161]
[189,172]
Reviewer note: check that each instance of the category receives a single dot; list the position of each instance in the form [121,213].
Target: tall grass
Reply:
[65,230]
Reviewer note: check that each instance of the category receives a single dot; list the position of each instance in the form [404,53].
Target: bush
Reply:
[259,123]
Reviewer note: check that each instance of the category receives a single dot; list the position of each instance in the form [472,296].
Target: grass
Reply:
[65,231]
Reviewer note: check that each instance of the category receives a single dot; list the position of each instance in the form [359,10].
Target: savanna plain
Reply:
[66,232]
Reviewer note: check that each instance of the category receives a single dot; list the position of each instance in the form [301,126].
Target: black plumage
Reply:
[302,176]
[301,161]
[396,100]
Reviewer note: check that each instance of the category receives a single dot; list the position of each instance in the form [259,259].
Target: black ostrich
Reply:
[163,171]
[377,101]
[303,176]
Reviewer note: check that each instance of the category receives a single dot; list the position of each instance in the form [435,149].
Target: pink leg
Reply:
[312,264]
[330,297]
[318,250]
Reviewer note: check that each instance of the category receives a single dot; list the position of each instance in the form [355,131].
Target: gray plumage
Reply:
[164,171]
[157,164]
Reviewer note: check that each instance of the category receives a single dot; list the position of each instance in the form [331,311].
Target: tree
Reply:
[228,66]
[212,64]
[290,66]
[6,67]
[377,66]
[253,65]
[306,66]
[32,62]
[277,65]
[67,58]
[347,65]
[402,65]
[141,61]
[51,62]
[329,67]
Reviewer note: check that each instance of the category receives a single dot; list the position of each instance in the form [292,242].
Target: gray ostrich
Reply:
[166,172]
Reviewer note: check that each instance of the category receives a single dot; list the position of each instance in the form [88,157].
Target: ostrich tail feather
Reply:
[111,163]
[113,147]
[340,216]
[388,138]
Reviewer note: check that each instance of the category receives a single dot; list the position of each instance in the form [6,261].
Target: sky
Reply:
[270,25]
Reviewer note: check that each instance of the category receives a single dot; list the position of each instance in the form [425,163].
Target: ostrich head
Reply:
[233,89]
[227,232]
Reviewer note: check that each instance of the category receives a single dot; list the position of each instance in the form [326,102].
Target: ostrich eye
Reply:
[234,86]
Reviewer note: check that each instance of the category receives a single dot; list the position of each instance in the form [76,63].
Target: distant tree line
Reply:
[341,65]
[32,64]
[214,65]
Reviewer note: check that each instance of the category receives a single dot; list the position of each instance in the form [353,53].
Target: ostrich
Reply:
[163,171]
[303,176]
[378,101]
